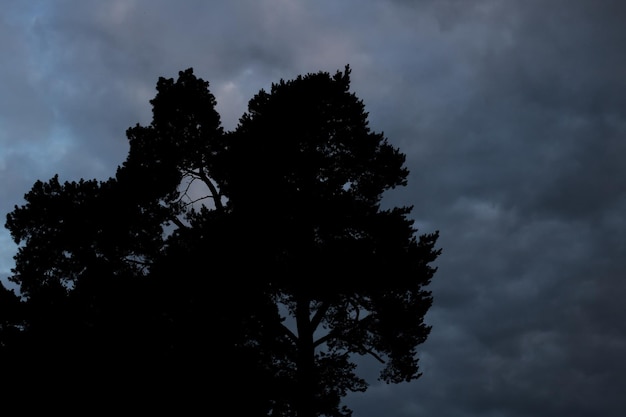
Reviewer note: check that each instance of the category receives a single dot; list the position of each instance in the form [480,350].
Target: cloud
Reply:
[512,118]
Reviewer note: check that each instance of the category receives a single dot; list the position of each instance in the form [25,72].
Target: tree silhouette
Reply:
[307,181]
[260,256]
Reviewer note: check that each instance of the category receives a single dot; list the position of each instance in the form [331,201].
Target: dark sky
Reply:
[513,118]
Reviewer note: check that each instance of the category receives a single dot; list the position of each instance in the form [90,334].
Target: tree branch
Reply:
[215,194]
[177,222]
[356,348]
[325,338]
[336,333]
[319,315]
[196,200]
[184,193]
[374,355]
[290,335]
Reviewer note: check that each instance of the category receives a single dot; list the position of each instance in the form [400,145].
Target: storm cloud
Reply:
[513,118]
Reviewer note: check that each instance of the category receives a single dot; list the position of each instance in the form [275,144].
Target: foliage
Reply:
[270,281]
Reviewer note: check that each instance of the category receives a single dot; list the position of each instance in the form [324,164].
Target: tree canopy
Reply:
[260,257]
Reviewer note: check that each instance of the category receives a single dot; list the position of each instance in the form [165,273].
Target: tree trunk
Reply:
[305,366]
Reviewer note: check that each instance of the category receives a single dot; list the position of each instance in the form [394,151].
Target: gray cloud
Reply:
[512,118]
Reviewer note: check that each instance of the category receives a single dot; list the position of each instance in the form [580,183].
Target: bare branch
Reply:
[197,199]
[202,176]
[184,193]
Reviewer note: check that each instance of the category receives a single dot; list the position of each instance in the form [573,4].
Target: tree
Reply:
[105,269]
[266,246]
[307,180]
